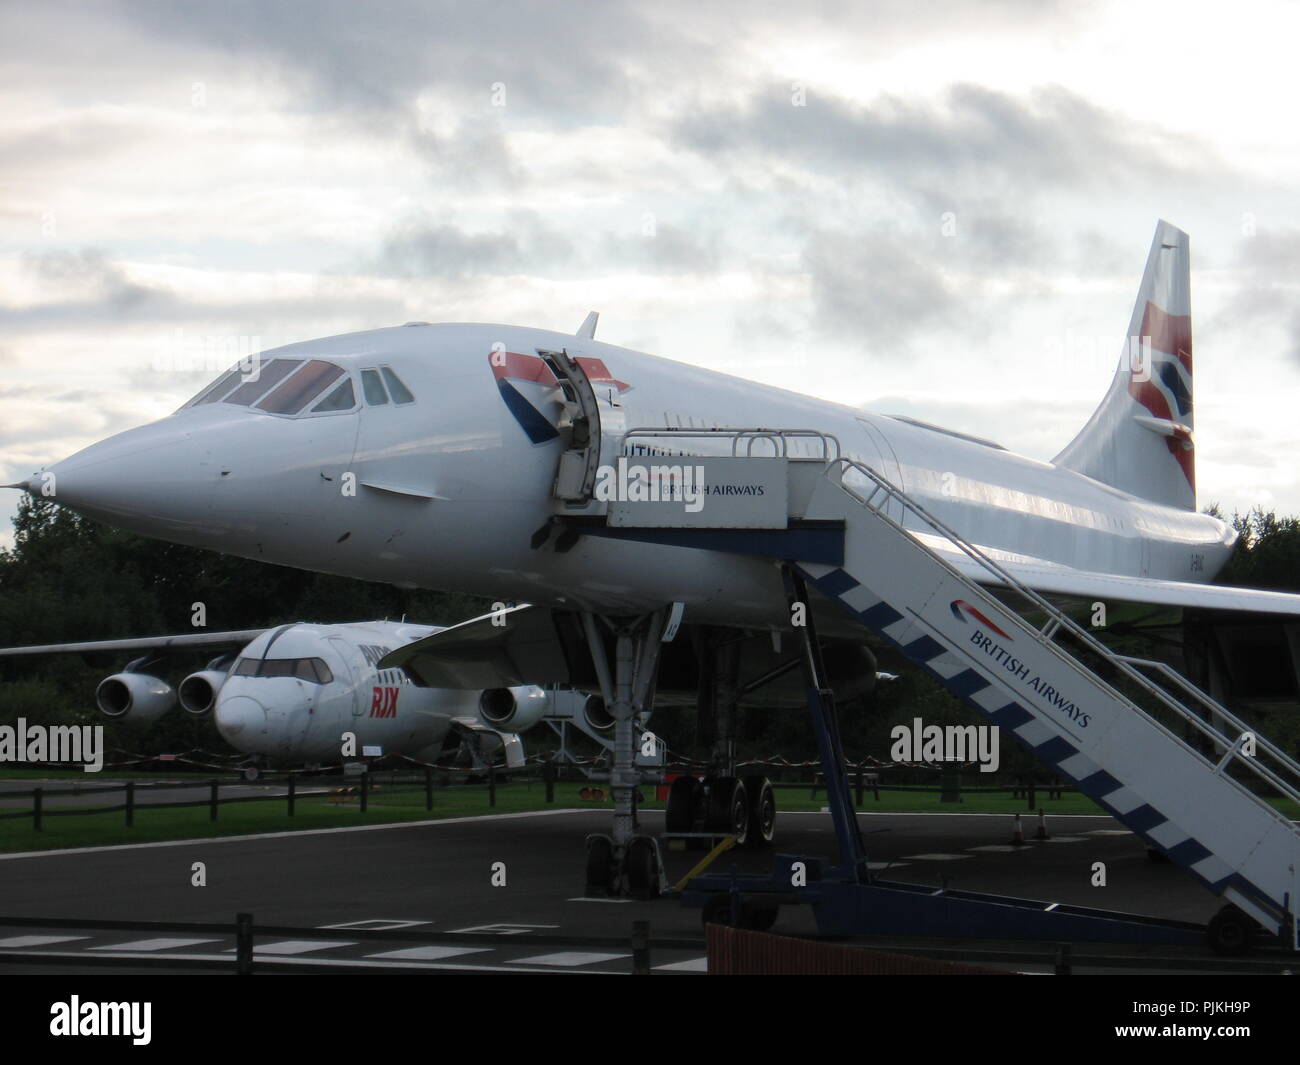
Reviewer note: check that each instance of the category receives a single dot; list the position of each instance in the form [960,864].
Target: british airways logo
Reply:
[509,367]
[962,609]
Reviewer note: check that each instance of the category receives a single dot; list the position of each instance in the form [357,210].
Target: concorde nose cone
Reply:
[242,721]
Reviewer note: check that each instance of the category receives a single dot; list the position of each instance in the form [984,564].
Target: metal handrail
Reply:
[777,437]
[1060,620]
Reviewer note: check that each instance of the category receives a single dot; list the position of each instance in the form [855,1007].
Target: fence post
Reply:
[130,804]
[640,948]
[292,781]
[428,788]
[212,800]
[243,943]
[36,809]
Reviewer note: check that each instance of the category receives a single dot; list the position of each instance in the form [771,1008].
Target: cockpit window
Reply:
[300,389]
[373,386]
[342,398]
[282,386]
[312,670]
[217,390]
[270,374]
[399,392]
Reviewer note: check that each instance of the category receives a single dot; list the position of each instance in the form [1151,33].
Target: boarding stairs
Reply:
[1102,719]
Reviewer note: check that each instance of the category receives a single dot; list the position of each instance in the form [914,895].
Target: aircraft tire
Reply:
[642,869]
[1230,932]
[762,810]
[600,865]
[729,809]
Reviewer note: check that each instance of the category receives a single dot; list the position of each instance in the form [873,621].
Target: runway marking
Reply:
[376,924]
[691,965]
[297,946]
[207,841]
[428,953]
[504,928]
[998,848]
[885,865]
[570,958]
[1110,832]
[358,963]
[1062,839]
[934,857]
[18,942]
[161,943]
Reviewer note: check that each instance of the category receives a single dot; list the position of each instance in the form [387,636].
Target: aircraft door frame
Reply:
[580,420]
[344,651]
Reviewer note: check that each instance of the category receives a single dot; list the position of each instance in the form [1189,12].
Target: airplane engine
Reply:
[198,692]
[597,714]
[134,697]
[512,709]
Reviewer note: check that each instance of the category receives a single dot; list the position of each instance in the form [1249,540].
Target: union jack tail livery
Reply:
[1140,439]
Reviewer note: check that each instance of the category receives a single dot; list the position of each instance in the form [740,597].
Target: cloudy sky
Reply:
[939,210]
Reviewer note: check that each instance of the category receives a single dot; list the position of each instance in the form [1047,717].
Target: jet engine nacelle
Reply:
[198,692]
[597,714]
[134,697]
[512,709]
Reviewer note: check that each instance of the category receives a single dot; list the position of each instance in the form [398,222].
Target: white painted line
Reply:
[503,929]
[283,835]
[1062,839]
[936,813]
[583,898]
[1110,832]
[297,946]
[376,924]
[162,943]
[692,965]
[997,848]
[885,865]
[934,857]
[358,963]
[19,942]
[569,959]
[428,953]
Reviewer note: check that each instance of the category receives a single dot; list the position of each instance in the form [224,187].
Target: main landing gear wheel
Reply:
[762,810]
[642,867]
[684,801]
[1230,932]
[600,865]
[728,809]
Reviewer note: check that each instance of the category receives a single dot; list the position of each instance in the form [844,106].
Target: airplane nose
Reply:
[241,720]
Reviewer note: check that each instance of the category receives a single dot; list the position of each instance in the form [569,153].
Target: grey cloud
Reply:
[975,140]
[424,247]
[669,249]
[100,292]
[877,288]
[1267,292]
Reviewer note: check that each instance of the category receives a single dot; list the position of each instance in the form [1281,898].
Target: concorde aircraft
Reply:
[302,694]
[441,456]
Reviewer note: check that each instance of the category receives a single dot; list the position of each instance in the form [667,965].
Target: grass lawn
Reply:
[407,803]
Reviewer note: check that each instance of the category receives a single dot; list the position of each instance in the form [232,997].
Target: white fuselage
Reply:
[279,704]
[445,492]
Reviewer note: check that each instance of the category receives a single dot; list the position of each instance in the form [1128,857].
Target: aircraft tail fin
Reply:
[1139,439]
